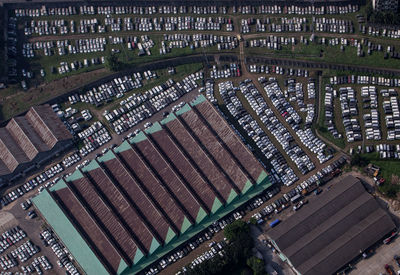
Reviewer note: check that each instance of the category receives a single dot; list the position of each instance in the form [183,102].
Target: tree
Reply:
[112,62]
[257,265]
[236,230]
[391,192]
[358,160]
[253,221]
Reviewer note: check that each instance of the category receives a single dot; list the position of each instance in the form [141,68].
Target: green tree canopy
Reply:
[236,230]
[257,265]
[112,62]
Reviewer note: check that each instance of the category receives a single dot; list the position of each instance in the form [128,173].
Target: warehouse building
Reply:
[332,230]
[137,202]
[28,141]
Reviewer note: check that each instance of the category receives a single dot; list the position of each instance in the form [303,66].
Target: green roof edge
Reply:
[76,175]
[232,195]
[60,184]
[262,177]
[185,225]
[67,232]
[124,146]
[170,235]
[169,118]
[184,109]
[216,205]
[154,245]
[154,128]
[159,253]
[107,156]
[201,215]
[92,165]
[138,138]
[247,187]
[199,99]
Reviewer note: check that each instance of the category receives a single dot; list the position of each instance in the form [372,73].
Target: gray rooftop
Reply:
[329,232]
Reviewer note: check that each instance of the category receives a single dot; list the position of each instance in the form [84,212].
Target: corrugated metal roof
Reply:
[332,225]
[67,232]
[25,137]
[142,197]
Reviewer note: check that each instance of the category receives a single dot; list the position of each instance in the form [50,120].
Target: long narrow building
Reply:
[126,209]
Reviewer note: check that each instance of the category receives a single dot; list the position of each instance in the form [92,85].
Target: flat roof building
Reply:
[137,202]
[330,231]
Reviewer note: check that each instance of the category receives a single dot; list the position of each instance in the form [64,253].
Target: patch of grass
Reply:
[388,167]
[321,128]
[125,56]
[330,54]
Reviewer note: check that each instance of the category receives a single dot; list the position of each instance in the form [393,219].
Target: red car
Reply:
[389,239]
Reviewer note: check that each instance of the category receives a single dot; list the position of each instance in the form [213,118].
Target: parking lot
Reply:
[376,263]
[16,216]
[272,108]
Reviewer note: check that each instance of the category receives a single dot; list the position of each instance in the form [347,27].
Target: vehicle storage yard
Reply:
[303,123]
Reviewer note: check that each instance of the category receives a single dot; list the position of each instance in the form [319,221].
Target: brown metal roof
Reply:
[47,125]
[213,173]
[3,168]
[208,140]
[25,137]
[137,197]
[329,232]
[122,208]
[105,216]
[185,168]
[22,138]
[169,207]
[10,152]
[230,138]
[166,175]
[88,227]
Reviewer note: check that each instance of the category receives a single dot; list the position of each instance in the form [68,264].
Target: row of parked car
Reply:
[329,122]
[216,250]
[25,251]
[93,137]
[11,237]
[335,25]
[272,42]
[107,91]
[282,24]
[231,70]
[391,32]
[365,79]
[294,9]
[281,169]
[293,119]
[70,160]
[349,108]
[46,175]
[64,257]
[386,151]
[173,9]
[141,106]
[37,265]
[309,186]
[277,129]
[392,117]
[371,118]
